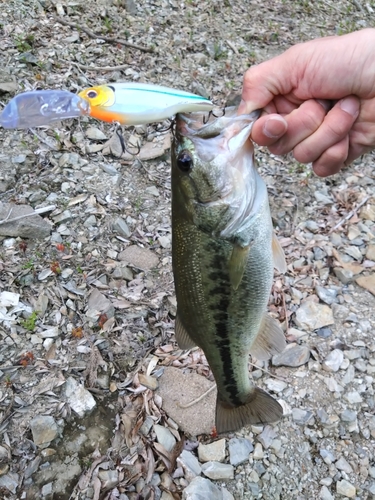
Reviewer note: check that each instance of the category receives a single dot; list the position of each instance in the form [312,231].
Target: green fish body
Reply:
[223,250]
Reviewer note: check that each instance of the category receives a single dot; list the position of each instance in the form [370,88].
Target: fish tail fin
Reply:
[260,409]
[270,339]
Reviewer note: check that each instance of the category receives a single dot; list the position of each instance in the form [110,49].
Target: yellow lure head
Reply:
[101,98]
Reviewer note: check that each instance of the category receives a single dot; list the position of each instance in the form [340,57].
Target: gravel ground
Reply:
[87,303]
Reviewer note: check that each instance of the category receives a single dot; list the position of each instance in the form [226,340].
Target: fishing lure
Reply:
[138,103]
[41,107]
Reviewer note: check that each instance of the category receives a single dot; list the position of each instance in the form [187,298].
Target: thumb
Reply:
[265,81]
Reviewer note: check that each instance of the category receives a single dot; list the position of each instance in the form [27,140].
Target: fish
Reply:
[138,103]
[223,255]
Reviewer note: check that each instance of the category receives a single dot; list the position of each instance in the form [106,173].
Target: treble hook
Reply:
[123,145]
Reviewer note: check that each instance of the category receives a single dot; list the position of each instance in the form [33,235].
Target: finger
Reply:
[302,123]
[335,127]
[333,159]
[268,129]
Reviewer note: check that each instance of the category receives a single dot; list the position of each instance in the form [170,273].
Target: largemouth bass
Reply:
[223,254]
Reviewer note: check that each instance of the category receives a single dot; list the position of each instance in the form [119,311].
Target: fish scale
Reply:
[225,320]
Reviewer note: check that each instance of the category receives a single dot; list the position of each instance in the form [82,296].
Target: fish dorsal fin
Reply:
[270,339]
[237,264]
[261,408]
[278,255]
[182,336]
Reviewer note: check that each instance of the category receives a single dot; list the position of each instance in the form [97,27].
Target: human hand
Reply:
[318,99]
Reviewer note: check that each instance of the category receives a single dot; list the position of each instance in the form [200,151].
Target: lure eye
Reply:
[184,161]
[92,94]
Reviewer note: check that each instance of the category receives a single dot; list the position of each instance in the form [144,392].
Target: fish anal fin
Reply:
[237,264]
[260,409]
[270,339]
[182,336]
[278,255]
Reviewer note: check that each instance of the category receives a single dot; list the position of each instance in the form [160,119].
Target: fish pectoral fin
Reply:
[278,255]
[237,264]
[270,339]
[261,408]
[184,341]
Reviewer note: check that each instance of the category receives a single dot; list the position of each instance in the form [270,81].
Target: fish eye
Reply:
[184,161]
[92,94]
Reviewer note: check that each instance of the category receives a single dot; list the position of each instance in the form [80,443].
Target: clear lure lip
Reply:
[42,107]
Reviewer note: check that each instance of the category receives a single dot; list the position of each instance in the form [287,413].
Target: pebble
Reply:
[325,494]
[311,316]
[213,452]
[164,437]
[218,471]
[95,134]
[121,227]
[345,489]
[141,258]
[343,465]
[44,430]
[294,355]
[239,450]
[301,417]
[324,333]
[275,385]
[227,495]
[327,456]
[190,465]
[370,253]
[344,275]
[258,452]
[333,361]
[353,397]
[267,436]
[327,295]
[80,399]
[202,489]
[10,481]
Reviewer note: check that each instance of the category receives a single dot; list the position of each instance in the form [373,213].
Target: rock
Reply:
[80,400]
[218,471]
[138,257]
[327,456]
[342,464]
[311,316]
[370,253]
[213,452]
[156,148]
[267,436]
[201,489]
[325,494]
[275,385]
[345,489]
[344,275]
[165,241]
[165,437]
[324,333]
[8,83]
[10,481]
[323,198]
[312,226]
[190,465]
[227,495]
[239,450]
[301,417]
[121,227]
[353,397]
[177,388]
[153,190]
[109,478]
[354,252]
[367,282]
[147,425]
[258,452]
[98,304]
[49,333]
[28,226]
[327,295]
[95,134]
[294,355]
[333,361]
[44,430]
[348,416]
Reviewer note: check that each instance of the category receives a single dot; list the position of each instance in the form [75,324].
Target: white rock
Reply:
[165,437]
[218,471]
[325,494]
[201,489]
[8,299]
[333,361]
[49,333]
[345,489]
[190,464]
[258,452]
[79,399]
[95,134]
[213,452]
[275,385]
[311,316]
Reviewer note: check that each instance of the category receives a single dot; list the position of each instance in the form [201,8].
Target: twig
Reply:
[37,211]
[232,46]
[350,214]
[97,68]
[91,34]
[266,371]
[195,401]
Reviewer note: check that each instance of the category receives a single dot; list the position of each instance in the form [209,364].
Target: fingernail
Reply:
[350,106]
[326,105]
[275,127]
[242,108]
